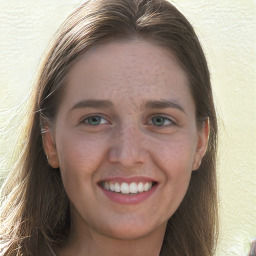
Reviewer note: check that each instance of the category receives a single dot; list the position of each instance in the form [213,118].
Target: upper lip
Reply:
[128,180]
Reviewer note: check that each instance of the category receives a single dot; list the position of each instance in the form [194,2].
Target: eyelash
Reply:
[160,116]
[164,118]
[85,120]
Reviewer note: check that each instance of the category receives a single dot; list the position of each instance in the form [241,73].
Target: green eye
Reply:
[161,121]
[95,120]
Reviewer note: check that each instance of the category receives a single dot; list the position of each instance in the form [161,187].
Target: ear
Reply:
[203,134]
[50,149]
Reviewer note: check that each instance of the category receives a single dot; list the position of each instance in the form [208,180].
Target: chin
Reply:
[127,235]
[131,231]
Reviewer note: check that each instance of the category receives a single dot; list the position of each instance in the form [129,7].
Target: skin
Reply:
[125,143]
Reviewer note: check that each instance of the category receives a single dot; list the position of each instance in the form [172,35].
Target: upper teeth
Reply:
[126,188]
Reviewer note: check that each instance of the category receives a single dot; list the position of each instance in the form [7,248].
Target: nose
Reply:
[127,147]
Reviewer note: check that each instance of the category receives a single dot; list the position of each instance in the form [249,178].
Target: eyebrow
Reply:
[155,104]
[160,104]
[92,104]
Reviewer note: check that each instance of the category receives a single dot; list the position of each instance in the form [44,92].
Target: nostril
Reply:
[126,156]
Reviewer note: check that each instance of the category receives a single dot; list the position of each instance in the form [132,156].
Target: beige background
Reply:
[227,30]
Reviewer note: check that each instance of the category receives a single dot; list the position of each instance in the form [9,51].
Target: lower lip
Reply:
[129,199]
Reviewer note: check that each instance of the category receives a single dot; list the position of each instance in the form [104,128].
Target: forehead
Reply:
[134,70]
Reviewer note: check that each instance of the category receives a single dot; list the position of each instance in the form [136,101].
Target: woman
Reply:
[119,154]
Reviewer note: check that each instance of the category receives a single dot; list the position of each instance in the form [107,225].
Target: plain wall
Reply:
[227,30]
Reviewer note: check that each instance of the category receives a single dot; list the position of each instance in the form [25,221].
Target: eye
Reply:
[161,121]
[95,120]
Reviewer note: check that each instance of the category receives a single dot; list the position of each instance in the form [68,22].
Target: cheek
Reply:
[175,156]
[79,157]
[175,159]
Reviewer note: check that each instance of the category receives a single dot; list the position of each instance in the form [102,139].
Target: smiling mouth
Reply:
[125,188]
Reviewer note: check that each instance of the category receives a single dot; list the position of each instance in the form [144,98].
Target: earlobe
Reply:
[202,144]
[50,149]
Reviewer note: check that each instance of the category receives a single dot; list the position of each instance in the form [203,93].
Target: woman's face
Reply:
[126,139]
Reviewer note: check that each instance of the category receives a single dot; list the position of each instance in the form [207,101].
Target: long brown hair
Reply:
[35,208]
